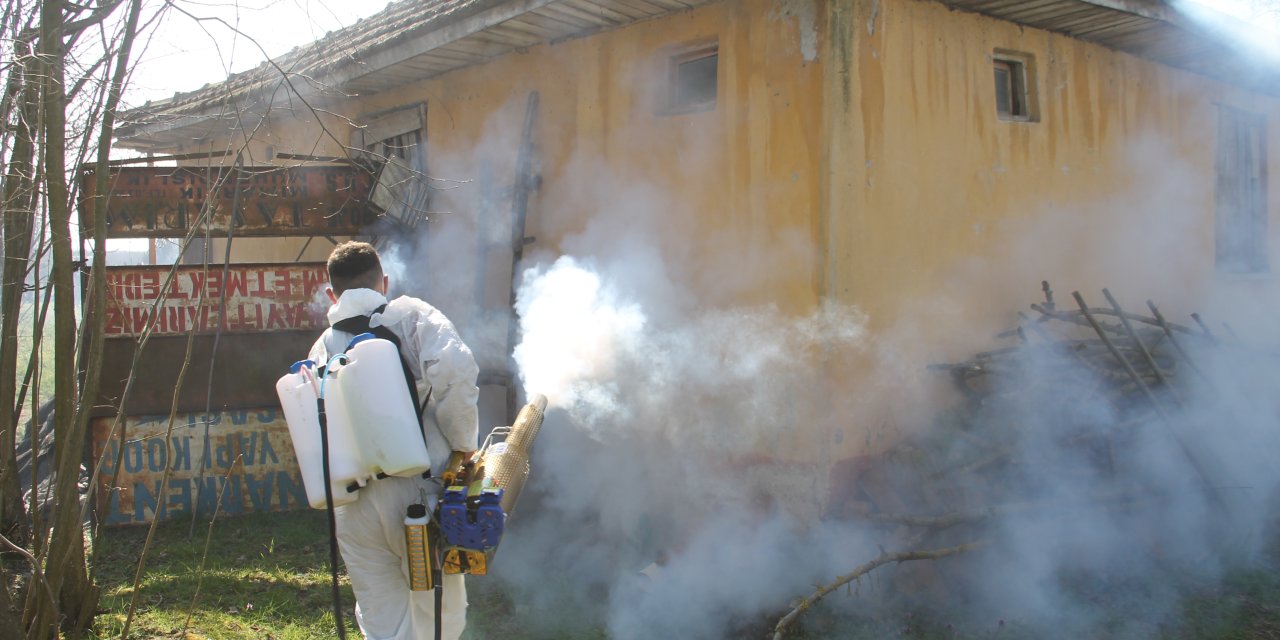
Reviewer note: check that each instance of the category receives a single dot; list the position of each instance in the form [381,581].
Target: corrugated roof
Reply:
[1209,42]
[412,40]
[307,63]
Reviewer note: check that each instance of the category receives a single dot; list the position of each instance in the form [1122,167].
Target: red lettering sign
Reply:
[258,297]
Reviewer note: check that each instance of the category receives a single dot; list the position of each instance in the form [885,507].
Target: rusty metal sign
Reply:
[248,465]
[244,373]
[259,297]
[159,202]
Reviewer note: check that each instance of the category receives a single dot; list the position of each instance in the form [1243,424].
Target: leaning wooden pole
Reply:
[1192,459]
[884,558]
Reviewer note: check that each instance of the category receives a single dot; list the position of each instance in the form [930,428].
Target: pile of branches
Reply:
[1085,382]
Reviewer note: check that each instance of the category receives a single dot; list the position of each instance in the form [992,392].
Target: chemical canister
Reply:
[298,392]
[379,408]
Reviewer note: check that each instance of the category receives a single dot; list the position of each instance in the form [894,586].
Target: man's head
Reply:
[355,265]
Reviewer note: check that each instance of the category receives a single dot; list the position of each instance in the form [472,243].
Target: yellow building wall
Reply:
[729,195]
[854,155]
[725,180]
[931,198]
[883,153]
[940,220]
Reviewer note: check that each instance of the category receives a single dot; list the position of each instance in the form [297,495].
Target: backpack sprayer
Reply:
[323,406]
[480,490]
[480,493]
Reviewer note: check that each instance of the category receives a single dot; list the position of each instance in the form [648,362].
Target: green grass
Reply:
[1245,606]
[267,577]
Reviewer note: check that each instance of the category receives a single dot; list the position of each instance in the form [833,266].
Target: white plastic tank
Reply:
[298,391]
[379,408]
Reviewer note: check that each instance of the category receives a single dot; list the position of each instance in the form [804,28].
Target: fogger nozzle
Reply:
[509,465]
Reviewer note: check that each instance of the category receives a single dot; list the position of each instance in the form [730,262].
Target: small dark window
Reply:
[693,80]
[1015,87]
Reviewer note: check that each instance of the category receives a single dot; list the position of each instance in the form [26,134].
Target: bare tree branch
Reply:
[884,558]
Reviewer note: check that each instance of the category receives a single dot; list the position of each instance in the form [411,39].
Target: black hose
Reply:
[437,568]
[439,602]
[333,524]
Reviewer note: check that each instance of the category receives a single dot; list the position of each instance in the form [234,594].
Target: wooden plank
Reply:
[465,55]
[248,459]
[1102,25]
[675,5]
[451,59]
[472,46]
[597,8]
[1036,13]
[244,372]
[1132,39]
[992,7]
[565,12]
[511,37]
[454,30]
[500,43]
[642,7]
[632,14]
[424,66]
[1057,18]
[563,23]
[1152,9]
[161,202]
[536,33]
[384,80]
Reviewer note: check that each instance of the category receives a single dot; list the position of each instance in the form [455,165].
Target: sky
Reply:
[185,54]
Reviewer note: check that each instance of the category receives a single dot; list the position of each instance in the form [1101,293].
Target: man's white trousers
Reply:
[371,537]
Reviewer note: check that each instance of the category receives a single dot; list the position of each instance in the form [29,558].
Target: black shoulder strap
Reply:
[360,324]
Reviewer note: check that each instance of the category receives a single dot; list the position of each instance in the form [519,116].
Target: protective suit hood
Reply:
[357,302]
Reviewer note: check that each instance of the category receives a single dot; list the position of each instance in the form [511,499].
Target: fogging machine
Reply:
[480,493]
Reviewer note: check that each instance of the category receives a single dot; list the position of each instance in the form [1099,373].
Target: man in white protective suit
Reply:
[371,530]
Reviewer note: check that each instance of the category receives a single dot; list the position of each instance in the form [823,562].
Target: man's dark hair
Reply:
[354,265]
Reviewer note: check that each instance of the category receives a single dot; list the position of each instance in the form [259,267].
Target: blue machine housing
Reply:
[479,527]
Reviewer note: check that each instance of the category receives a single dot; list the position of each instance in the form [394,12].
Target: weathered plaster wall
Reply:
[926,187]
[854,154]
[738,174]
[866,129]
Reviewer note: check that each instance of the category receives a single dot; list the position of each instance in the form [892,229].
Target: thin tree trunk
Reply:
[93,321]
[78,596]
[98,287]
[17,192]
[65,560]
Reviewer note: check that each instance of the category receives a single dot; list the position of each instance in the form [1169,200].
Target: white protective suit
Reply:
[371,529]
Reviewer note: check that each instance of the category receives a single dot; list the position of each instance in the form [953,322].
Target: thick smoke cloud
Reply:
[1250,31]
[685,436]
[682,484]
